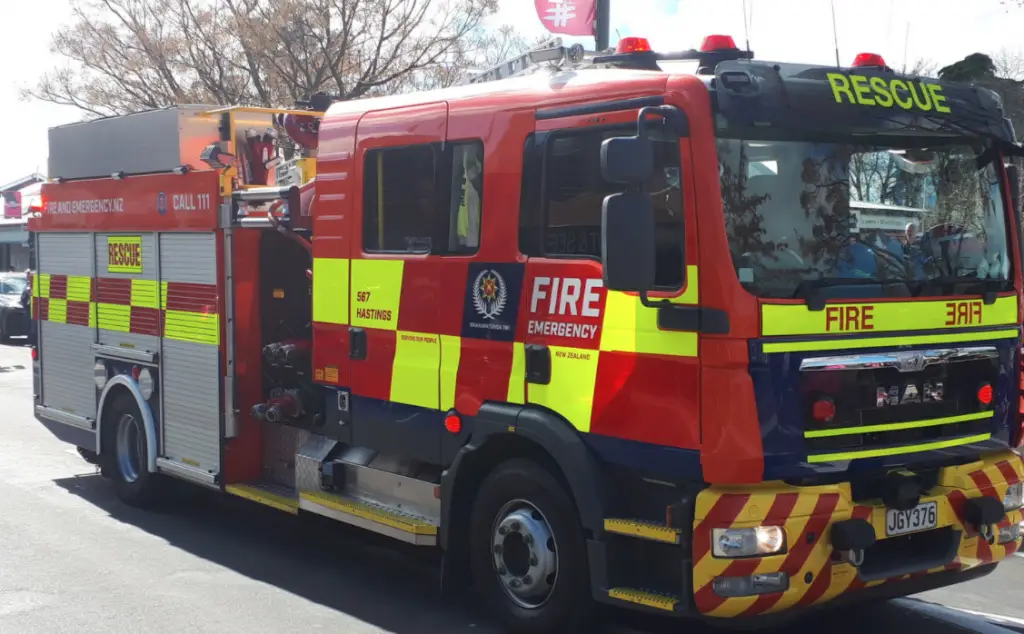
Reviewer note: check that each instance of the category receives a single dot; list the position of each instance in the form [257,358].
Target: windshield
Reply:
[923,215]
[12,285]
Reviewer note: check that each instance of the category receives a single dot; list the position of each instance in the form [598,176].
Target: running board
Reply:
[403,526]
[645,598]
[272,495]
[643,529]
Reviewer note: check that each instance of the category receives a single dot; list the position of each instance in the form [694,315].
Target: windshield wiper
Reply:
[810,290]
[986,287]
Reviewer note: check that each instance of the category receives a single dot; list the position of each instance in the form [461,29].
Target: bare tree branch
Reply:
[128,55]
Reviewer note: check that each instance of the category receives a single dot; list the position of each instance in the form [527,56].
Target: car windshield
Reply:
[910,212]
[12,285]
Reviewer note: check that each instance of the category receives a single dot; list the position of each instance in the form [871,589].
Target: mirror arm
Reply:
[658,303]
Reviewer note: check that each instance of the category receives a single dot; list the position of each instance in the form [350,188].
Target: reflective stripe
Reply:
[571,391]
[194,327]
[414,377]
[451,351]
[330,290]
[892,451]
[376,293]
[880,342]
[918,424]
[517,376]
[144,294]
[861,318]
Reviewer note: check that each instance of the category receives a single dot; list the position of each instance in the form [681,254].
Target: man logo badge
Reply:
[887,396]
[490,294]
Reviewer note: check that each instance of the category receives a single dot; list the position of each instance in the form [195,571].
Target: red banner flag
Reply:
[12,204]
[567,17]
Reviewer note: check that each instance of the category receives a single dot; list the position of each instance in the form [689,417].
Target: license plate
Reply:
[920,518]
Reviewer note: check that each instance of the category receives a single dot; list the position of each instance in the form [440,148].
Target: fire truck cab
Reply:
[629,327]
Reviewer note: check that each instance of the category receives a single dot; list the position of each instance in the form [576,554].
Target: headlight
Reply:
[1014,498]
[146,383]
[99,373]
[731,543]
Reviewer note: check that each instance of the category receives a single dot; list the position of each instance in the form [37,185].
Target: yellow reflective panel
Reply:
[629,326]
[415,373]
[79,288]
[376,293]
[571,391]
[114,317]
[861,318]
[451,351]
[145,294]
[517,377]
[194,327]
[330,290]
[58,311]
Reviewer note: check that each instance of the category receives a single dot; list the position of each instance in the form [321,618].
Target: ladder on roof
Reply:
[550,51]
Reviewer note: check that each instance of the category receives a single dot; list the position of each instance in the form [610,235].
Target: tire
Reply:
[125,449]
[529,504]
[4,337]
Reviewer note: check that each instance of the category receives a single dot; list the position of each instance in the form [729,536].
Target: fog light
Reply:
[146,384]
[1009,533]
[1014,498]
[99,374]
[749,586]
[731,543]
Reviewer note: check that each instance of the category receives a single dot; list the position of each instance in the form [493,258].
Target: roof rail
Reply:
[551,51]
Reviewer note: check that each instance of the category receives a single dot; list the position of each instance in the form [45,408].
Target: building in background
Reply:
[16,252]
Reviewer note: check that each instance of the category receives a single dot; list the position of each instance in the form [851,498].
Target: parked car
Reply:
[13,317]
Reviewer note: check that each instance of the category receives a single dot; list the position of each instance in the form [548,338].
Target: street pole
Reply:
[603,23]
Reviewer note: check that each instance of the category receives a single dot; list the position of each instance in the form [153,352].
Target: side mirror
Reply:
[627,241]
[627,160]
[1013,177]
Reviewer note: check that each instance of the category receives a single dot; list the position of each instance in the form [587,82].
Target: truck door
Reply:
[395,343]
[599,358]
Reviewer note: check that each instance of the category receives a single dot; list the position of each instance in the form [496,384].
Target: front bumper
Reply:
[816,573]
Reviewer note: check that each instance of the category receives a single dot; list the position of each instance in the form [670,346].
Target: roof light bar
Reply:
[869,60]
[633,45]
[717,43]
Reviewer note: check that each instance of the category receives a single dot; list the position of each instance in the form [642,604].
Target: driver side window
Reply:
[563,192]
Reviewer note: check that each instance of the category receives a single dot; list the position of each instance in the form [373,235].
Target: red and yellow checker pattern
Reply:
[806,514]
[622,378]
[174,310]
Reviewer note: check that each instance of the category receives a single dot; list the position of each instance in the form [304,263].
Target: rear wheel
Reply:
[125,451]
[528,553]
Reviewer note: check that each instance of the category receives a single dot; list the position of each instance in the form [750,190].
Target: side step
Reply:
[645,598]
[272,495]
[643,529]
[372,516]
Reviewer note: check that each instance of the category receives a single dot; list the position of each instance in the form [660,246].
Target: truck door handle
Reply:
[538,364]
[356,344]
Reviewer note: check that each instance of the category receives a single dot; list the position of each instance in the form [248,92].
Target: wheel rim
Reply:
[129,448]
[525,554]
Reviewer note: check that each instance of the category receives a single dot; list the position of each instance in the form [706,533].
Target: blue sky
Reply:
[784,30]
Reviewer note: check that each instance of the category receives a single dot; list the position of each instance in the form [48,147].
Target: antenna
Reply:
[835,33]
[746,26]
[906,45]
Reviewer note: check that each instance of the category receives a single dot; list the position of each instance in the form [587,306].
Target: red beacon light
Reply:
[717,43]
[869,60]
[633,45]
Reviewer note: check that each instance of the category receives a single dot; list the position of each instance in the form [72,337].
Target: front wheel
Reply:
[125,451]
[528,553]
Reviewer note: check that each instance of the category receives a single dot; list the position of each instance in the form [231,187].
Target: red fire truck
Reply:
[607,330]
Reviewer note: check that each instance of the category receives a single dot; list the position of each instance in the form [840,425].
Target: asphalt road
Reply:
[73,559]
